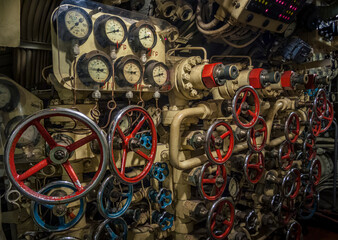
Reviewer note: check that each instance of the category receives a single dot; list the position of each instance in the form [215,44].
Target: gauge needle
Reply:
[114,31]
[148,36]
[76,24]
[131,72]
[160,74]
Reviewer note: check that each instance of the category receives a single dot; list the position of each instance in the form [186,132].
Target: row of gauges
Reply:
[95,68]
[74,23]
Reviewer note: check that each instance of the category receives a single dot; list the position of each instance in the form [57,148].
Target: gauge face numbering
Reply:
[73,24]
[94,68]
[156,74]
[9,96]
[142,36]
[110,31]
[129,71]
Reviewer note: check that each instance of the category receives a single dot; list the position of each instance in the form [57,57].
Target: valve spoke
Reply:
[123,161]
[224,135]
[207,180]
[62,220]
[45,134]
[138,126]
[72,175]
[37,167]
[219,155]
[120,132]
[72,147]
[142,154]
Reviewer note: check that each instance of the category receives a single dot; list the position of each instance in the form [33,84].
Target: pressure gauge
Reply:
[156,73]
[142,36]
[94,68]
[110,31]
[73,23]
[29,136]
[129,71]
[233,187]
[9,96]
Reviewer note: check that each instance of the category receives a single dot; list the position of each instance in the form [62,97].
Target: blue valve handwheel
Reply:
[166,222]
[160,171]
[145,141]
[164,198]
[110,197]
[112,229]
[44,215]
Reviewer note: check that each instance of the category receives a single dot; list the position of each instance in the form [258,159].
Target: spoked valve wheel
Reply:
[309,147]
[257,135]
[221,218]
[292,128]
[294,231]
[315,172]
[286,155]
[246,107]
[219,142]
[114,229]
[320,104]
[125,137]
[254,167]
[212,185]
[58,154]
[327,118]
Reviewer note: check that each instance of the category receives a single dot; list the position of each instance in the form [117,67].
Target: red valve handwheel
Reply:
[294,193]
[292,127]
[254,167]
[241,107]
[310,196]
[309,147]
[315,172]
[57,155]
[286,155]
[128,141]
[219,139]
[327,117]
[315,125]
[259,130]
[294,231]
[320,104]
[218,182]
[221,218]
[287,211]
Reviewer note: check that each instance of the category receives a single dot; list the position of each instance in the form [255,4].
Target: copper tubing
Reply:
[175,157]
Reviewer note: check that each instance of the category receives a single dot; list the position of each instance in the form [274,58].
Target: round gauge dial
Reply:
[129,71]
[9,95]
[30,135]
[94,68]
[73,23]
[110,31]
[5,96]
[233,187]
[156,74]
[142,36]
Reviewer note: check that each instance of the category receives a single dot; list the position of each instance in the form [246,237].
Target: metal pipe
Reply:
[335,165]
[201,111]
[188,48]
[271,115]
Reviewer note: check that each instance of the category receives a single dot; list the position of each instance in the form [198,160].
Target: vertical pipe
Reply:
[335,165]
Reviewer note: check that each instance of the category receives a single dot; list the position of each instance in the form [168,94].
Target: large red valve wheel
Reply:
[123,139]
[259,130]
[309,146]
[254,167]
[219,142]
[242,112]
[292,127]
[57,155]
[294,231]
[221,218]
[286,155]
[215,181]
[327,118]
[315,172]
[320,104]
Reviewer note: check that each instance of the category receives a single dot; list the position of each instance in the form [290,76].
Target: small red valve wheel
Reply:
[221,218]
[57,155]
[294,231]
[297,182]
[327,117]
[309,147]
[254,167]
[287,211]
[212,184]
[242,112]
[124,138]
[292,128]
[286,155]
[257,131]
[320,104]
[310,196]
[219,142]
[315,125]
[315,172]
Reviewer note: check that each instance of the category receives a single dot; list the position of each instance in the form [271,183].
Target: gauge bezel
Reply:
[15,96]
[148,75]
[16,120]
[120,63]
[82,67]
[100,31]
[235,181]
[134,39]
[59,23]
